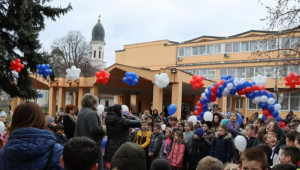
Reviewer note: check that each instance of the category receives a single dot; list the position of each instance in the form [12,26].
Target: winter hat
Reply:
[199,132]
[224,121]
[2,114]
[208,123]
[49,120]
[160,164]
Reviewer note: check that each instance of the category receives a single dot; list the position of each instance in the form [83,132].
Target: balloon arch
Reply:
[254,90]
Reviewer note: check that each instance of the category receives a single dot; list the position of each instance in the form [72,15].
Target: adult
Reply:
[289,117]
[61,112]
[30,145]
[89,124]
[216,120]
[117,127]
[227,113]
[155,115]
[296,124]
[70,120]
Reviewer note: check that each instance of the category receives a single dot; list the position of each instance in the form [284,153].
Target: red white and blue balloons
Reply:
[131,78]
[16,65]
[44,70]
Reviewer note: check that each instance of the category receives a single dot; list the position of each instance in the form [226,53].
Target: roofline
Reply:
[260,31]
[147,42]
[204,36]
[120,50]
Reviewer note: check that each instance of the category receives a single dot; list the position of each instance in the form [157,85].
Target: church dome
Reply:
[98,33]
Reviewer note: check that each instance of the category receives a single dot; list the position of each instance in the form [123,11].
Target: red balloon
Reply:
[287,83]
[195,87]
[266,112]
[192,82]
[213,89]
[248,89]
[18,65]
[212,95]
[198,80]
[97,74]
[22,66]
[102,73]
[254,87]
[196,113]
[108,74]
[243,92]
[296,77]
[282,124]
[292,74]
[98,80]
[18,70]
[12,63]
[195,77]
[217,85]
[269,117]
[201,84]
[199,108]
[104,81]
[18,61]
[297,82]
[222,82]
[106,77]
[293,86]
[213,99]
[262,88]
[198,103]
[201,78]
[11,68]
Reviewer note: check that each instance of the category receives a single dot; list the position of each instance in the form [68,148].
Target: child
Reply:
[291,137]
[231,166]
[233,125]
[271,139]
[80,153]
[173,122]
[224,122]
[268,151]
[150,123]
[59,134]
[156,142]
[181,127]
[210,163]
[163,118]
[200,149]
[290,155]
[250,132]
[176,156]
[208,132]
[284,167]
[3,119]
[189,135]
[222,145]
[253,158]
[197,126]
[166,146]
[297,141]
[143,138]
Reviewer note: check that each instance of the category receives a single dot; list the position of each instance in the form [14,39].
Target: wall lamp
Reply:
[173,70]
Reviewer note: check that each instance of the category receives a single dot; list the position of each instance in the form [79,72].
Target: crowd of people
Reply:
[120,140]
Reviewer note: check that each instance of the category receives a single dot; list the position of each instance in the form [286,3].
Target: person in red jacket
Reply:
[177,152]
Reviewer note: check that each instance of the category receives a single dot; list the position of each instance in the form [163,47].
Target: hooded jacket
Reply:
[200,149]
[209,136]
[29,148]
[155,144]
[130,156]
[177,153]
[117,127]
[222,147]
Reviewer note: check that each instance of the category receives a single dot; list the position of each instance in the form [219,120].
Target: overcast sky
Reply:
[136,21]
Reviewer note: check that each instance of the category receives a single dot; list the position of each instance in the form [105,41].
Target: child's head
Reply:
[272,127]
[265,148]
[178,135]
[224,122]
[162,116]
[297,141]
[271,139]
[233,116]
[290,154]
[188,126]
[144,125]
[181,126]
[291,137]
[259,122]
[146,113]
[231,166]
[169,133]
[207,125]
[60,129]
[80,153]
[217,118]
[222,130]
[283,167]
[149,120]
[198,133]
[210,163]
[251,160]
[156,128]
[2,116]
[250,130]
[196,126]
[173,120]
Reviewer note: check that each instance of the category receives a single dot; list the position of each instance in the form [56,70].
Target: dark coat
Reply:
[250,142]
[70,127]
[117,127]
[209,136]
[61,139]
[221,148]
[29,148]
[289,118]
[200,149]
[130,156]
[156,142]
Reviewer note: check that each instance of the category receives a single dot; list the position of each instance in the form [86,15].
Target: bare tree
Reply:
[72,50]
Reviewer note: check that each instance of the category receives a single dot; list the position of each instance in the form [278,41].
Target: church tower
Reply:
[97,46]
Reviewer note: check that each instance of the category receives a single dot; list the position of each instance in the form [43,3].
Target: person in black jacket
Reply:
[289,117]
[70,120]
[200,149]
[117,127]
[250,130]
[59,134]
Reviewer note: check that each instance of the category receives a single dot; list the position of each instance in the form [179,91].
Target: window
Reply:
[228,48]
[210,49]
[245,46]
[236,47]
[217,49]
[253,46]
[259,71]
[228,102]
[181,52]
[223,72]
[241,73]
[283,71]
[295,42]
[269,71]
[106,103]
[203,72]
[251,105]
[239,104]
[211,73]
[249,72]
[232,71]
[99,54]
[285,43]
[284,101]
[202,50]
[188,51]
[94,53]
[295,101]
[195,50]
[263,45]
[272,44]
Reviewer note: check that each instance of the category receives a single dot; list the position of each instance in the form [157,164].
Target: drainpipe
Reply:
[176,53]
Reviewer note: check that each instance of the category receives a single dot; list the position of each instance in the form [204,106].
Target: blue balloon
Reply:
[104,143]
[40,72]
[202,101]
[45,75]
[202,113]
[278,118]
[205,106]
[263,92]
[239,86]
[219,92]
[137,77]
[251,96]
[275,101]
[275,113]
[127,74]
[129,79]
[248,95]
[225,83]
[172,109]
[221,88]
[199,117]
[47,66]
[219,95]
[38,66]
[271,108]
[246,84]
[256,93]
[264,117]
[135,81]
[124,79]
[232,92]
[50,71]
[196,108]
[240,119]
[263,105]
[209,89]
[43,66]
[41,96]
[207,94]
[208,100]
[270,95]
[214,84]
[232,80]
[223,77]
[252,83]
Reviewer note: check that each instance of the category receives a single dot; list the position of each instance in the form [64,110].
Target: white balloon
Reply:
[208,116]
[253,79]
[203,96]
[73,68]
[206,90]
[100,109]
[257,99]
[226,90]
[265,78]
[156,76]
[264,98]
[253,101]
[163,127]
[68,71]
[210,104]
[2,127]
[260,116]
[277,106]
[125,109]
[229,86]
[193,119]
[271,101]
[235,82]
[242,80]
[240,143]
[259,77]
[162,80]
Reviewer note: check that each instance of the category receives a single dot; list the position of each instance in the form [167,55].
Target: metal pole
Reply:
[276,75]
[35,100]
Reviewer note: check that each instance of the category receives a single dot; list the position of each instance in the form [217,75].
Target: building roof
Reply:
[98,33]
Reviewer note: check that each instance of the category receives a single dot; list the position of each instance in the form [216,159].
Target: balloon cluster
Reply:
[131,78]
[102,76]
[161,80]
[197,82]
[292,80]
[172,109]
[16,65]
[73,73]
[228,85]
[44,70]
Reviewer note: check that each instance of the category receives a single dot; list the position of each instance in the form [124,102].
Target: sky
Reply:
[136,21]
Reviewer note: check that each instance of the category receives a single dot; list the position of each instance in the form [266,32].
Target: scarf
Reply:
[73,118]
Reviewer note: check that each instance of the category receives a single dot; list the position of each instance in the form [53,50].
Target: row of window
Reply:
[95,54]
[248,46]
[246,72]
